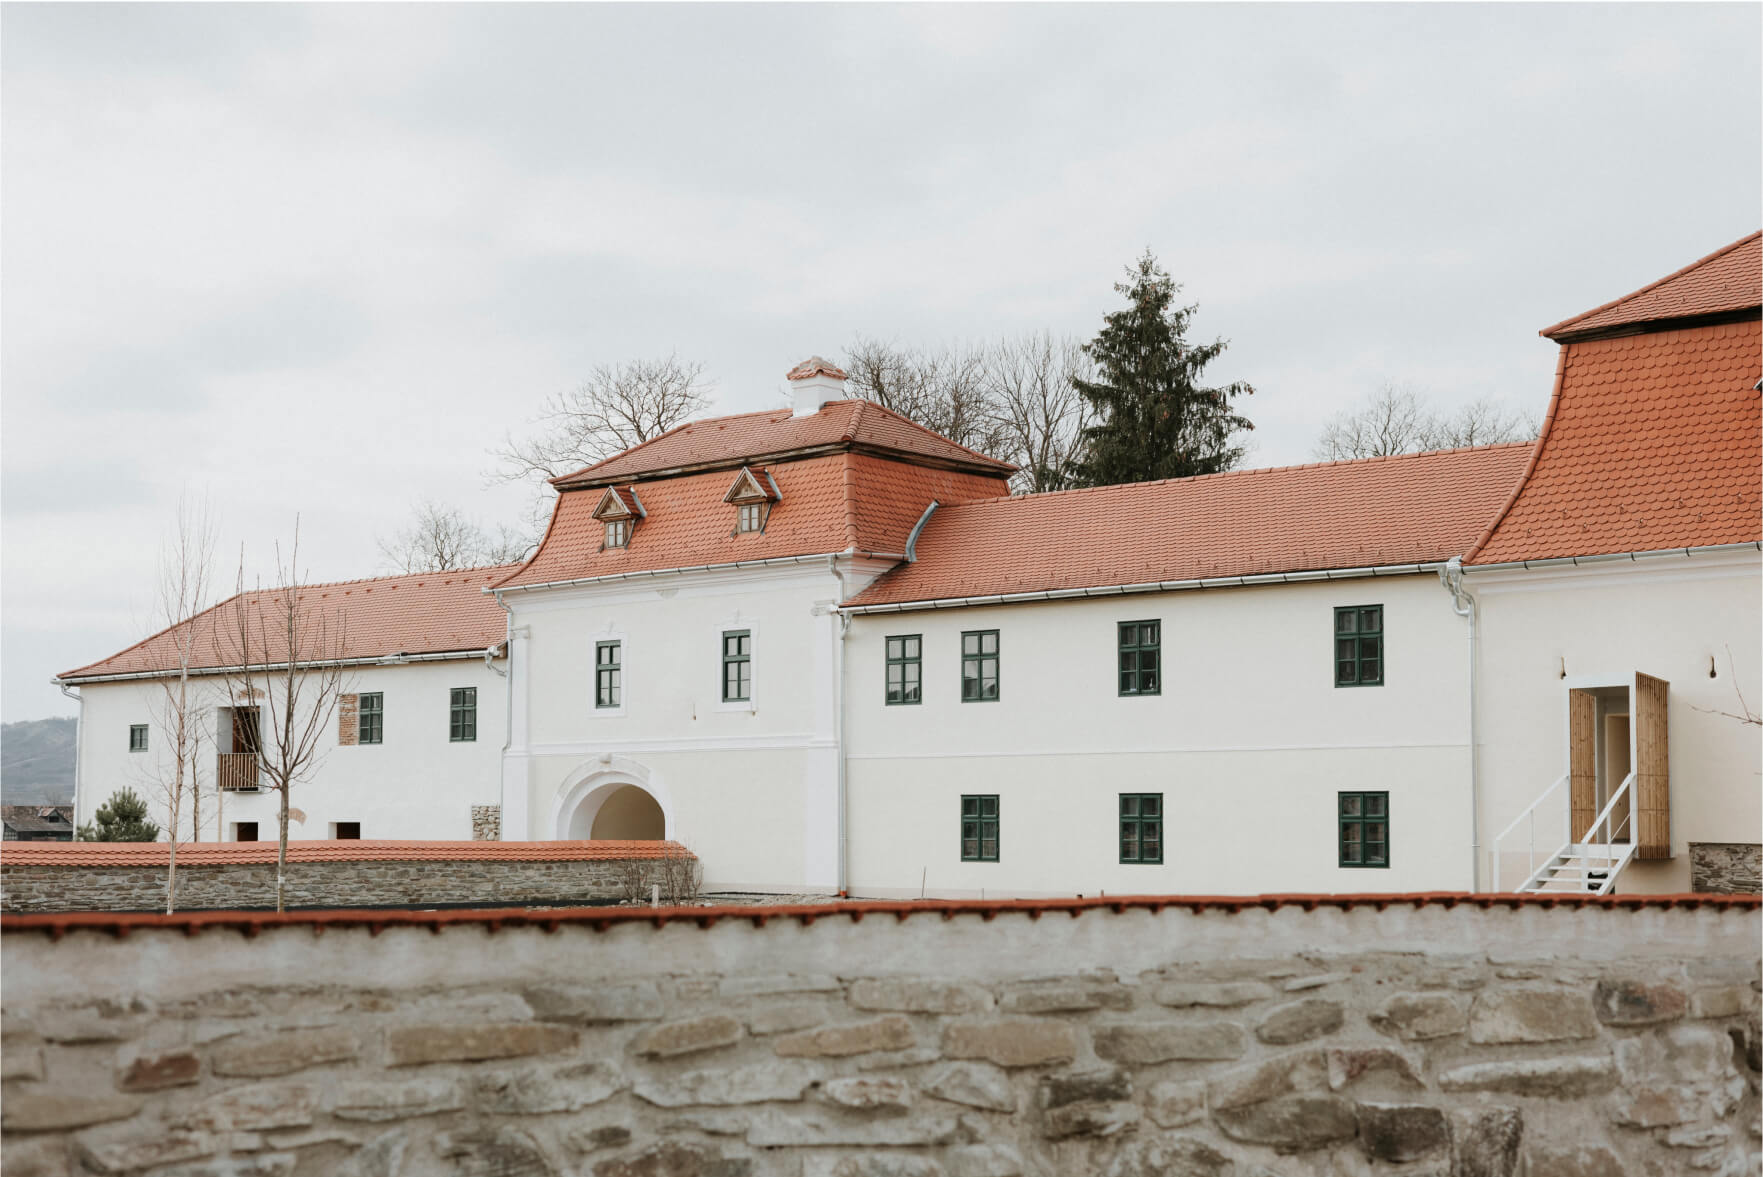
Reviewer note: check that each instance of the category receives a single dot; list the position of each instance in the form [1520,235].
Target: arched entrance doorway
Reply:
[612,798]
[626,813]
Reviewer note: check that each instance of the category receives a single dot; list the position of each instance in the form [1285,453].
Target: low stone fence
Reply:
[1483,1037]
[131,876]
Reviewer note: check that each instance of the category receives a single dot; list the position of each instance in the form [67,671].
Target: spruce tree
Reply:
[1156,420]
[123,818]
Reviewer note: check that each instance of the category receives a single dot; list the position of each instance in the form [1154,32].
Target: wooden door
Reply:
[1652,768]
[1582,764]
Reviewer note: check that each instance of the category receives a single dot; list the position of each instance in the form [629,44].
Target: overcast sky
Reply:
[319,259]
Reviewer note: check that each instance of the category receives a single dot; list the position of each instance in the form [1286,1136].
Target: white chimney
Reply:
[813,383]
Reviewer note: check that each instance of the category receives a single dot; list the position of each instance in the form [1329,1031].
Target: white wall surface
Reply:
[417,784]
[1249,742]
[1669,617]
[751,787]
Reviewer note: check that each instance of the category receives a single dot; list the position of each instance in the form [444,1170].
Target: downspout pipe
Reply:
[843,620]
[507,720]
[1463,604]
[79,736]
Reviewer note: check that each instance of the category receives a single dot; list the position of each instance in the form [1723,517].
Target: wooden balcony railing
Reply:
[236,770]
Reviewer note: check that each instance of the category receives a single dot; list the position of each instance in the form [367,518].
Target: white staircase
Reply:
[1586,867]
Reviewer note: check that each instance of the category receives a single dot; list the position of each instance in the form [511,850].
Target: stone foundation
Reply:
[874,1041]
[1726,868]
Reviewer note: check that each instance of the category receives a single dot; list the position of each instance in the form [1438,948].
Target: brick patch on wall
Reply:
[1726,868]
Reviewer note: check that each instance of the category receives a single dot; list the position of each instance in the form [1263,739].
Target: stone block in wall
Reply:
[33,1110]
[728,1087]
[672,1039]
[1179,1156]
[1401,1132]
[890,1033]
[869,1093]
[1417,1017]
[977,1085]
[916,996]
[486,823]
[636,1001]
[1294,1073]
[1552,1078]
[1141,1042]
[260,1107]
[1226,994]
[1012,1042]
[381,1100]
[139,1069]
[284,1052]
[409,1046]
[1300,1021]
[817,1129]
[1291,1122]
[1622,1002]
[1507,1016]
[1726,868]
[1485,1141]
[541,1092]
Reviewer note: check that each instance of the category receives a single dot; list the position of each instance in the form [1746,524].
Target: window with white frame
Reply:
[618,533]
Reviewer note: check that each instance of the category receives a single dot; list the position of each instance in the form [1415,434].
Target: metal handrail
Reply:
[1608,841]
[1530,814]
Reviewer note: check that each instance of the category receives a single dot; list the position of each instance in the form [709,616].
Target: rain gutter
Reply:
[653,573]
[1614,557]
[1159,586]
[386,660]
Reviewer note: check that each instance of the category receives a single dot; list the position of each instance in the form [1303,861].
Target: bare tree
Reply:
[1396,419]
[1040,413]
[947,390]
[618,406]
[1480,422]
[441,538]
[186,565]
[287,661]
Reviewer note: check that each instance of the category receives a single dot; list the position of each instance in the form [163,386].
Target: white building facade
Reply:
[827,650]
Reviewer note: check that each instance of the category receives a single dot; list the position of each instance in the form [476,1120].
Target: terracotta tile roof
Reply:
[1651,442]
[1410,509]
[422,613]
[1729,279]
[759,438]
[602,919]
[346,850]
[833,503]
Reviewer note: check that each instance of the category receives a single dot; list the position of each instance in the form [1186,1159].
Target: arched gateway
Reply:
[611,798]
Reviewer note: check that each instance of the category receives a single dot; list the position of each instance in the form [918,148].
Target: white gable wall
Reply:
[752,788]
[418,784]
[1665,616]
[1249,743]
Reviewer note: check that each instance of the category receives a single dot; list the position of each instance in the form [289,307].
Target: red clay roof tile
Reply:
[760,438]
[1652,442]
[420,613]
[1410,509]
[1729,279]
[832,503]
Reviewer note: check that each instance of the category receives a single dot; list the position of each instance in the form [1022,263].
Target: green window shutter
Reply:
[462,719]
[137,737]
[979,827]
[737,665]
[1141,827]
[1358,646]
[1141,658]
[608,674]
[905,670]
[1364,826]
[979,666]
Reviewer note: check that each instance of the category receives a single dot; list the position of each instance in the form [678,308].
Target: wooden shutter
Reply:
[1652,768]
[1582,737]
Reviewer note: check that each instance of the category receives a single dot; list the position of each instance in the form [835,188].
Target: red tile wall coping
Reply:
[335,850]
[601,919]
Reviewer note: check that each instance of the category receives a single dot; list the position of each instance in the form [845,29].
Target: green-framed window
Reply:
[737,665]
[1141,827]
[979,827]
[1365,829]
[1358,646]
[370,718]
[1141,657]
[462,715]
[608,674]
[905,669]
[137,737]
[979,666]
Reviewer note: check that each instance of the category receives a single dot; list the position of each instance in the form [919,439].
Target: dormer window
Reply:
[619,511]
[752,495]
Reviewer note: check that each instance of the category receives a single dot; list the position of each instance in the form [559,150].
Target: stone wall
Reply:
[1387,1037]
[397,883]
[1726,868]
